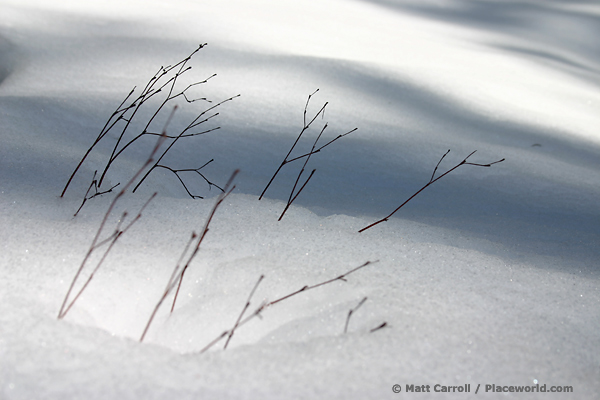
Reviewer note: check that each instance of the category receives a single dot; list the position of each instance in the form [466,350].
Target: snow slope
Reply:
[489,276]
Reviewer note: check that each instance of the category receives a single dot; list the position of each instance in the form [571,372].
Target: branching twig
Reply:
[94,185]
[96,242]
[120,114]
[314,150]
[237,322]
[353,310]
[164,85]
[116,116]
[291,199]
[112,239]
[179,271]
[226,192]
[431,181]
[197,170]
[154,86]
[184,133]
[170,284]
[266,305]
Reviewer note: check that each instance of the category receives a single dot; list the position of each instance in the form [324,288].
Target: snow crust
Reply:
[488,276]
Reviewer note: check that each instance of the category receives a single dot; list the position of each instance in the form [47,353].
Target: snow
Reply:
[489,276]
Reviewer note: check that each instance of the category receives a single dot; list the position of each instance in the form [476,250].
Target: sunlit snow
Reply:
[488,276]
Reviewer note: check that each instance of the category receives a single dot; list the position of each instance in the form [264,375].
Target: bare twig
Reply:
[383,325]
[154,87]
[184,133]
[291,199]
[179,270]
[226,192]
[306,125]
[96,242]
[112,239]
[163,86]
[353,310]
[237,322]
[265,305]
[432,180]
[197,170]
[94,185]
[170,285]
[116,116]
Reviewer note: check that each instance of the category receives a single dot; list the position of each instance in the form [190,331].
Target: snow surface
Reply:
[488,276]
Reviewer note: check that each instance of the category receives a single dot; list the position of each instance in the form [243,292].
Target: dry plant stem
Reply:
[112,239]
[178,272]
[96,241]
[197,170]
[292,196]
[353,311]
[314,150]
[94,185]
[226,192]
[432,181]
[171,283]
[305,288]
[182,134]
[265,305]
[237,322]
[383,325]
[150,91]
[163,81]
[291,200]
[107,127]
[120,115]
[305,127]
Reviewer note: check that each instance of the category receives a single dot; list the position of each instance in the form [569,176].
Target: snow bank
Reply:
[488,276]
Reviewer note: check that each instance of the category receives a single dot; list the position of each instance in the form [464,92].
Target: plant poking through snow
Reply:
[432,180]
[352,311]
[237,322]
[93,185]
[194,242]
[163,89]
[306,126]
[264,305]
[111,240]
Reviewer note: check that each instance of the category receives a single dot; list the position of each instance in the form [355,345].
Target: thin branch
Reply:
[438,164]
[145,96]
[432,181]
[174,274]
[94,185]
[62,312]
[289,203]
[170,284]
[222,196]
[165,81]
[182,134]
[196,170]
[322,147]
[352,311]
[265,305]
[178,272]
[305,127]
[383,325]
[237,322]
[113,239]
[102,133]
[339,278]
[186,135]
